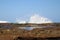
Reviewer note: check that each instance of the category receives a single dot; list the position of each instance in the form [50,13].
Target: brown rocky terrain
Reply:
[10,31]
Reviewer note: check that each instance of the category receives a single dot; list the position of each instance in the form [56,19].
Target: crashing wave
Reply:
[39,19]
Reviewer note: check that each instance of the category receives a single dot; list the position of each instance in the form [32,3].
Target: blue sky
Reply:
[12,9]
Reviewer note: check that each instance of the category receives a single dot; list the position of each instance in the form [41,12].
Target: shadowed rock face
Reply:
[50,38]
[53,38]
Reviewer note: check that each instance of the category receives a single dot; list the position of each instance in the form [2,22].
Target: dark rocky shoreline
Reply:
[10,31]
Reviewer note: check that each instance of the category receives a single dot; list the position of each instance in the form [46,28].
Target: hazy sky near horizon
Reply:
[12,9]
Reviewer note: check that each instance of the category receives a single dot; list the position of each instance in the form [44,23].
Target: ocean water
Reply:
[29,28]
